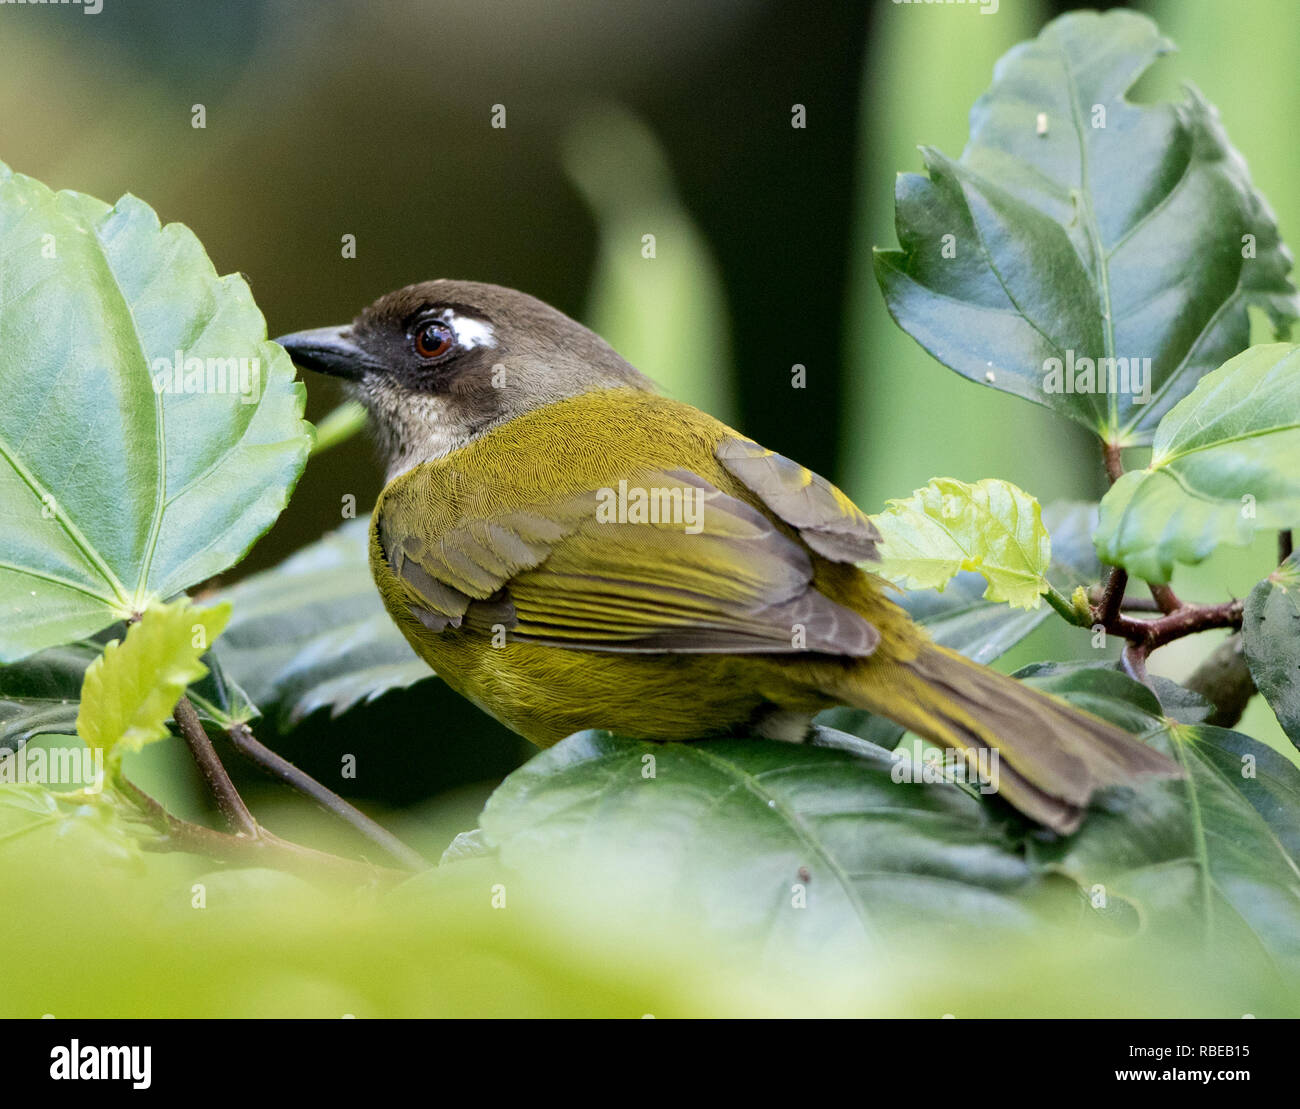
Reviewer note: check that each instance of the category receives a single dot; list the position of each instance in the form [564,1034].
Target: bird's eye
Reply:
[434,339]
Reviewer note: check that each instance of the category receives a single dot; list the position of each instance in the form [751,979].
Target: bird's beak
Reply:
[327,350]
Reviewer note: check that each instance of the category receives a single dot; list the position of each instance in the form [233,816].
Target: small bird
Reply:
[570,549]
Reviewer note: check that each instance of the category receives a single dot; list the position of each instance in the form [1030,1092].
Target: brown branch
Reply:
[277,765]
[260,850]
[1285,545]
[1112,456]
[214,774]
[1112,598]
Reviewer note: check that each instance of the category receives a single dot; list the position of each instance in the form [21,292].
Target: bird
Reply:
[569,548]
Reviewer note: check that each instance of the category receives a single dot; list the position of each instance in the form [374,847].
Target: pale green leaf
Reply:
[130,691]
[1226,462]
[948,526]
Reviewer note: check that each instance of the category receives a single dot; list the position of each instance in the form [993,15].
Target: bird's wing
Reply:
[716,576]
[830,523]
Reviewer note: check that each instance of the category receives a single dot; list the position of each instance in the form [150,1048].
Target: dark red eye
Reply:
[434,339]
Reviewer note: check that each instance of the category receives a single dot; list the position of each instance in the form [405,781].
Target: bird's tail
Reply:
[1050,756]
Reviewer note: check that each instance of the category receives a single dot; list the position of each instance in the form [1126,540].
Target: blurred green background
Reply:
[670,118]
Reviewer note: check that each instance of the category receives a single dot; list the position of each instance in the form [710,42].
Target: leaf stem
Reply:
[1061,603]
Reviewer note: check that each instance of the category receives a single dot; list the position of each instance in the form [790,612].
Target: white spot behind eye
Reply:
[469,331]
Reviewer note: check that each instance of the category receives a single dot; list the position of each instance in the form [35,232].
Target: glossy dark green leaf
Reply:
[115,493]
[737,832]
[1079,225]
[1270,633]
[41,694]
[312,632]
[1212,855]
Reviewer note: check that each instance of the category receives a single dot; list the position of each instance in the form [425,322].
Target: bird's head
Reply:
[439,363]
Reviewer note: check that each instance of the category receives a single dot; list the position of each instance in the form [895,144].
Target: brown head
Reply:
[439,363]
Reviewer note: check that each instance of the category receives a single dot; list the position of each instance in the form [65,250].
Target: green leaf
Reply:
[95,830]
[990,527]
[1079,225]
[219,699]
[115,495]
[129,693]
[722,828]
[1270,633]
[42,694]
[312,632]
[1226,462]
[1212,855]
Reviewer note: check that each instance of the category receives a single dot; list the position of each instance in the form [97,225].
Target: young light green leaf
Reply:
[149,431]
[1226,462]
[1080,233]
[948,526]
[130,691]
[1270,632]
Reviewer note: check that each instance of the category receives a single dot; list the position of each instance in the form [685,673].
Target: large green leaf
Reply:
[1225,463]
[312,632]
[112,493]
[727,825]
[1077,224]
[1270,633]
[948,526]
[1211,855]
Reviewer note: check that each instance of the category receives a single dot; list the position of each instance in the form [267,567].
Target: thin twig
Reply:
[263,849]
[278,766]
[1165,598]
[214,774]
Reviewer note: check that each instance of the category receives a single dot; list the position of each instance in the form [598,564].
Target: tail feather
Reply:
[1051,756]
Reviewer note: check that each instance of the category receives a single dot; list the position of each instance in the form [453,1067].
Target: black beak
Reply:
[327,350]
